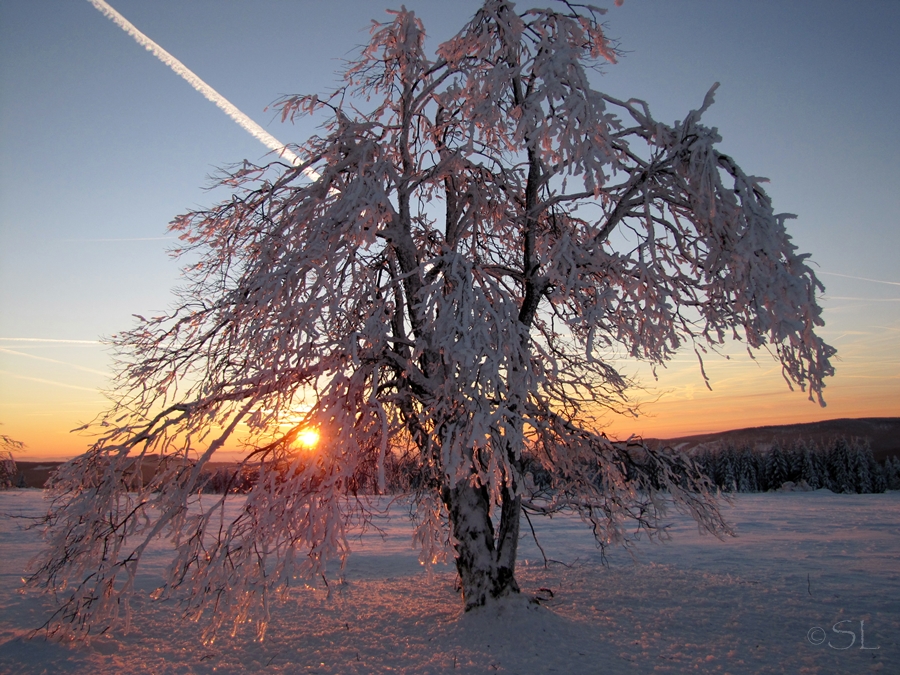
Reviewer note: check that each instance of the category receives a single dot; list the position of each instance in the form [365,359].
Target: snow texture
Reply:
[749,604]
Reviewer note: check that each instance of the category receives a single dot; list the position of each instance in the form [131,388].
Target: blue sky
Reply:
[101,146]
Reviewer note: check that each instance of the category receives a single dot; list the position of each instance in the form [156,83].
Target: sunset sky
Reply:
[101,145]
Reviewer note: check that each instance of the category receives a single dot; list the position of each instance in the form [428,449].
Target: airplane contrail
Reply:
[874,281]
[43,381]
[72,342]
[115,239]
[62,363]
[208,92]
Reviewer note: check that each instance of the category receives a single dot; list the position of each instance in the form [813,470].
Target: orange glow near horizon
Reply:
[36,409]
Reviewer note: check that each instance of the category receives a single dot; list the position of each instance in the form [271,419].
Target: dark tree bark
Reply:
[486,565]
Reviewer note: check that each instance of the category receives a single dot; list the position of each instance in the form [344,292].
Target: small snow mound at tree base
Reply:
[520,636]
[498,608]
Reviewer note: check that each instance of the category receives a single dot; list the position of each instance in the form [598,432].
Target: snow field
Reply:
[694,604]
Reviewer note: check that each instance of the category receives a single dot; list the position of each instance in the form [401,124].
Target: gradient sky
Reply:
[101,146]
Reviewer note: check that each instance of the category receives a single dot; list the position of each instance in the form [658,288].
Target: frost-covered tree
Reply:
[876,470]
[483,232]
[776,467]
[822,457]
[728,469]
[794,458]
[892,473]
[840,467]
[702,459]
[860,469]
[810,468]
[8,471]
[747,479]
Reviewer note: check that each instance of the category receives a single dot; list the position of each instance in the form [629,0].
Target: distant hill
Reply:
[35,474]
[882,432]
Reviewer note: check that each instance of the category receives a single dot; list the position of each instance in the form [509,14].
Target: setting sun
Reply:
[308,438]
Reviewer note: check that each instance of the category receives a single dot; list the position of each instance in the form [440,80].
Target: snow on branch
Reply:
[441,307]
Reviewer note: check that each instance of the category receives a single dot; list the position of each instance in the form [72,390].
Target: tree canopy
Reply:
[483,232]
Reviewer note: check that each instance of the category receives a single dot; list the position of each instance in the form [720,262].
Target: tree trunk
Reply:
[486,568]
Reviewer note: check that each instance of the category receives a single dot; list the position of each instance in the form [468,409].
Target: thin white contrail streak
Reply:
[874,281]
[211,94]
[118,239]
[844,297]
[71,342]
[44,358]
[43,381]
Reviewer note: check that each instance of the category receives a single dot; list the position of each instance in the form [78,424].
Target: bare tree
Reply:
[446,296]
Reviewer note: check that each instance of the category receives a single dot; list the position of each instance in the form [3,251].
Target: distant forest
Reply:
[795,457]
[842,465]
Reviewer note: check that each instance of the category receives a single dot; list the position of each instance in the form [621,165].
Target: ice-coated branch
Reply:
[442,306]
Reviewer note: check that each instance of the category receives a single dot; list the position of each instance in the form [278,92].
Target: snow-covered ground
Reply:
[767,601]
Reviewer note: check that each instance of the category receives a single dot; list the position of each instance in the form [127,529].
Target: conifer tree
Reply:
[810,470]
[747,479]
[729,469]
[840,468]
[860,454]
[794,460]
[892,472]
[776,467]
[876,470]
